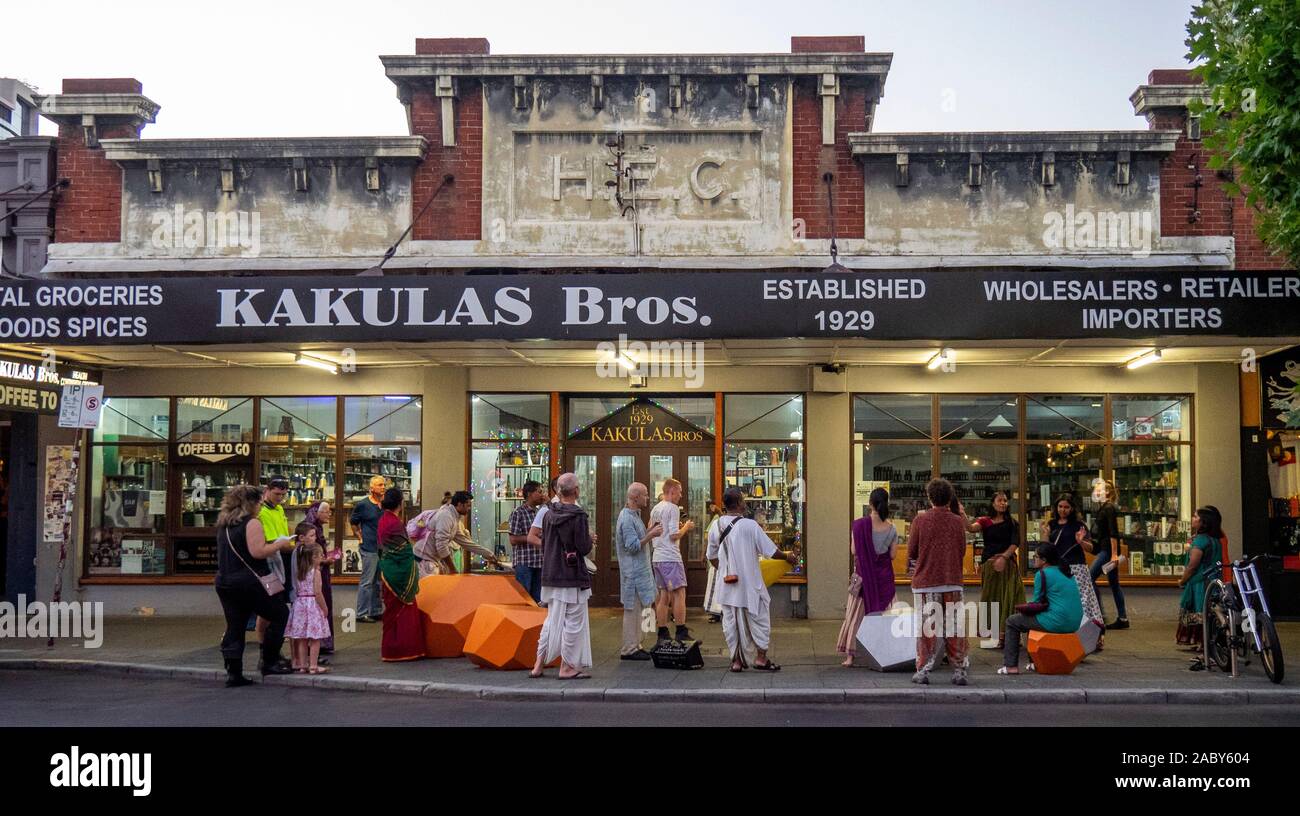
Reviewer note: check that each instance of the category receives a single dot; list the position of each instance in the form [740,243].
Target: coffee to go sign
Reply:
[29,399]
[212,452]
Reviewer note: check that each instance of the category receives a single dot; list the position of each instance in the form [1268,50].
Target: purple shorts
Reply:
[670,575]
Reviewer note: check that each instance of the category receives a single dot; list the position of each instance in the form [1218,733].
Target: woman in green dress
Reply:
[1202,555]
[1000,581]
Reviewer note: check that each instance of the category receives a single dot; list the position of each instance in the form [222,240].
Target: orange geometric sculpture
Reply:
[447,604]
[504,636]
[1054,653]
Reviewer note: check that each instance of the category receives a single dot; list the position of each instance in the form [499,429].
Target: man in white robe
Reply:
[735,545]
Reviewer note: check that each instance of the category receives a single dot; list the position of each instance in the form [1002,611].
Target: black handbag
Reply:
[675,654]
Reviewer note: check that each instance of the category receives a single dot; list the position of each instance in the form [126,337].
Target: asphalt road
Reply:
[51,698]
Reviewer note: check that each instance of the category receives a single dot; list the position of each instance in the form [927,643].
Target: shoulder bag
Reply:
[273,585]
[722,539]
[1039,605]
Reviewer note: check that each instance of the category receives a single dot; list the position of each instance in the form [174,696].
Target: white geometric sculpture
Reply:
[1089,633]
[888,640]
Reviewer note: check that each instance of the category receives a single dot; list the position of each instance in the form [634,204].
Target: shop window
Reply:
[764,416]
[128,504]
[400,467]
[1151,417]
[214,419]
[310,471]
[298,419]
[1154,500]
[1065,417]
[764,457]
[134,419]
[979,417]
[381,419]
[1058,468]
[698,411]
[978,473]
[510,446]
[892,416]
[584,411]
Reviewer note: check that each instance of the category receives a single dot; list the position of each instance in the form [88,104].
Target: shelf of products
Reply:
[202,488]
[768,473]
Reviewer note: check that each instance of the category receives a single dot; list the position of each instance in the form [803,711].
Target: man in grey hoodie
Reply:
[566,585]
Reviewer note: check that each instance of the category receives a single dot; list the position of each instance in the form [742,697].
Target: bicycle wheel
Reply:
[1271,654]
[1217,626]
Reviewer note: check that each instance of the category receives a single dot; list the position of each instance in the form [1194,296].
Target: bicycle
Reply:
[1232,610]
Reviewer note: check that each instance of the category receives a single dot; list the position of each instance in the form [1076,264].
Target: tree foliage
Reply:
[1251,65]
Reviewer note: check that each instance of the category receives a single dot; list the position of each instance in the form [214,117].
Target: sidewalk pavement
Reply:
[1138,665]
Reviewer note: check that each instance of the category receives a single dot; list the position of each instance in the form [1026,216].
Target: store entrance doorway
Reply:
[642,443]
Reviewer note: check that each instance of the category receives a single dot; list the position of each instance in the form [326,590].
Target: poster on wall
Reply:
[1279,378]
[60,475]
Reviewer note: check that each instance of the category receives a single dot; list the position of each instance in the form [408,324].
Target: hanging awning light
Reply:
[315,362]
[1145,359]
[942,357]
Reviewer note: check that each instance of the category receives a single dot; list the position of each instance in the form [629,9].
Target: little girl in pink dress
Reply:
[308,620]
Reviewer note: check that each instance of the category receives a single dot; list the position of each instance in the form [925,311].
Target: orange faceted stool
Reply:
[504,636]
[447,604]
[1055,653]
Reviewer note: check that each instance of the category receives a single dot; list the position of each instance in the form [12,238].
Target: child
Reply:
[308,621]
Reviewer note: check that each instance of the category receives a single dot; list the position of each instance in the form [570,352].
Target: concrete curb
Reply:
[581,693]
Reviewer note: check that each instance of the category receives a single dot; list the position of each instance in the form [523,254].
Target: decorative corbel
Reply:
[975,173]
[300,174]
[372,174]
[751,91]
[227,167]
[89,130]
[1123,167]
[1049,168]
[828,89]
[521,92]
[597,92]
[154,166]
[1194,128]
[445,89]
[675,91]
[902,170]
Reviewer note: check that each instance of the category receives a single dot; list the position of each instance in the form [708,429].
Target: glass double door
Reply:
[604,475]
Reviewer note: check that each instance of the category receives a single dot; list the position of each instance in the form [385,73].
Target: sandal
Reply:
[578,676]
[319,670]
[768,666]
[535,675]
[737,667]
[1031,668]
[1004,670]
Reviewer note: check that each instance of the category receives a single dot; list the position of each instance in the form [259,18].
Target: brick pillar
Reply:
[812,160]
[1220,214]
[457,213]
[89,210]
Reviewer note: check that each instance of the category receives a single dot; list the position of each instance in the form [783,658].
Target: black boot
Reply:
[662,637]
[683,634]
[235,673]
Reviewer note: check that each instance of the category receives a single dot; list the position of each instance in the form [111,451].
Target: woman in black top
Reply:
[1106,545]
[1000,574]
[1067,532]
[242,550]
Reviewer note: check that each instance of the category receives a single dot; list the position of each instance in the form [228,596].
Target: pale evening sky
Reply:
[240,68]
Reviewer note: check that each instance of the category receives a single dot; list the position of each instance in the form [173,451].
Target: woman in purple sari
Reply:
[871,586]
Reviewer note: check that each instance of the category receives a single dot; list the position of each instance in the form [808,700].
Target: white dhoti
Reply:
[566,633]
[711,604]
[747,632]
[427,566]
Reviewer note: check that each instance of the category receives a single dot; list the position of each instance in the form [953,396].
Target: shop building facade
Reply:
[701,266]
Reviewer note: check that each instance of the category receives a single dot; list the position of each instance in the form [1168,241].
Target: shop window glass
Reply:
[1054,469]
[764,416]
[1151,417]
[892,416]
[979,417]
[584,411]
[978,473]
[400,467]
[214,419]
[1154,487]
[1065,417]
[498,472]
[903,471]
[128,505]
[381,419]
[513,416]
[771,477]
[299,419]
[134,419]
[699,411]
[310,471]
